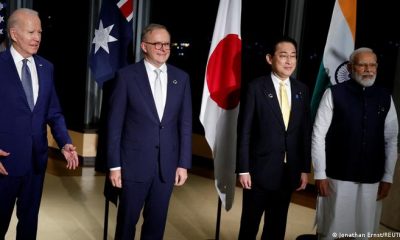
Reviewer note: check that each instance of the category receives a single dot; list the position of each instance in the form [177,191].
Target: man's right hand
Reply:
[322,187]
[3,170]
[245,180]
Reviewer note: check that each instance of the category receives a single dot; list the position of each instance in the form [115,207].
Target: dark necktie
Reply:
[27,83]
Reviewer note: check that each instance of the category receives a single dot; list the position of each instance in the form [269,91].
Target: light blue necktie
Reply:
[27,83]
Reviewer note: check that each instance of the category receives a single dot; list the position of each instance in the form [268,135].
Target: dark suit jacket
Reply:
[23,133]
[263,140]
[136,137]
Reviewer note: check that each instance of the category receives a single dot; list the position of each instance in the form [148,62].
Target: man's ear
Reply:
[349,66]
[268,57]
[143,47]
[12,34]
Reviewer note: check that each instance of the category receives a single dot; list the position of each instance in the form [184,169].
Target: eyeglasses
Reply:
[287,56]
[366,65]
[159,45]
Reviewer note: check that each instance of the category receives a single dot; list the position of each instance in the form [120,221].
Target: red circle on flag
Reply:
[224,72]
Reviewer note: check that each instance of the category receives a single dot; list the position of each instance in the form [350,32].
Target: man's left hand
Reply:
[180,176]
[383,190]
[303,182]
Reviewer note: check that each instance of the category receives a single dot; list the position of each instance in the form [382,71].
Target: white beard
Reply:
[365,82]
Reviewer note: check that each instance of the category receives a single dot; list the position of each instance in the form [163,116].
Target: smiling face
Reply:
[284,60]
[25,32]
[153,54]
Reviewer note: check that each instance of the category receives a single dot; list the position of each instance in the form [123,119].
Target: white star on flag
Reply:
[1,19]
[102,37]
[1,6]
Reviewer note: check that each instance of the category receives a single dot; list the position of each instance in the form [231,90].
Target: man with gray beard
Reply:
[354,151]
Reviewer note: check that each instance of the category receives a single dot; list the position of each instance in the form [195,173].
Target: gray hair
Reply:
[151,27]
[358,51]
[15,17]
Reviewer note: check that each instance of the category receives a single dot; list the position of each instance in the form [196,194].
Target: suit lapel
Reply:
[272,99]
[172,84]
[15,79]
[41,76]
[144,87]
[297,102]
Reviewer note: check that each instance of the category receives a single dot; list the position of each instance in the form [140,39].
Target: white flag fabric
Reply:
[221,96]
[339,45]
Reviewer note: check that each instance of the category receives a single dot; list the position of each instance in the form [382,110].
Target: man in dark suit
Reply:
[149,136]
[25,113]
[273,144]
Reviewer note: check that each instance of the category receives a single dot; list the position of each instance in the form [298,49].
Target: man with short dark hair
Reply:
[274,133]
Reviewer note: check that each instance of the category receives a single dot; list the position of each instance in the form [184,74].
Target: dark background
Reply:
[66,42]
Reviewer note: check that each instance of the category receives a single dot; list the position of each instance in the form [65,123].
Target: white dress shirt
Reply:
[152,77]
[32,67]
[276,81]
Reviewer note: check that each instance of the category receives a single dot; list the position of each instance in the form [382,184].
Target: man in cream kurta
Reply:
[354,152]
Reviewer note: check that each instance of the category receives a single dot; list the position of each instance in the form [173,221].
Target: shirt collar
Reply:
[18,57]
[151,67]
[277,80]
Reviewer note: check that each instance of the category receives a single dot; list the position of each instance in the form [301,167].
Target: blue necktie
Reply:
[27,83]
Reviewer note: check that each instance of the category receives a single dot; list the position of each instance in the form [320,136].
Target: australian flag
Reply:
[2,21]
[113,36]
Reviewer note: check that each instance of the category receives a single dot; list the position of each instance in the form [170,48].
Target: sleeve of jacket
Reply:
[55,117]
[115,121]
[307,132]
[185,127]
[245,121]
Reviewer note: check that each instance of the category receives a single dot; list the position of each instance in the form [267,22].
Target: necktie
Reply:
[158,94]
[26,80]
[285,108]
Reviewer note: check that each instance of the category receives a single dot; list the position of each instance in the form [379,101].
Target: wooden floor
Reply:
[73,208]
[201,167]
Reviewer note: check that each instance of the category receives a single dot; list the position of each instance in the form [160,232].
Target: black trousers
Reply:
[274,204]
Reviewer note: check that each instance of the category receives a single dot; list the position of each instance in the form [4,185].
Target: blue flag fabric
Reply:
[2,21]
[113,36]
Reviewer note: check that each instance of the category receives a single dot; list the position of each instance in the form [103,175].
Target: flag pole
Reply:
[217,228]
[106,208]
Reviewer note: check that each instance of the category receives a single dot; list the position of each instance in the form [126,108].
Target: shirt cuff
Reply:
[319,175]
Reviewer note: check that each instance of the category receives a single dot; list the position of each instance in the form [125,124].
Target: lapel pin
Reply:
[268,94]
[175,81]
